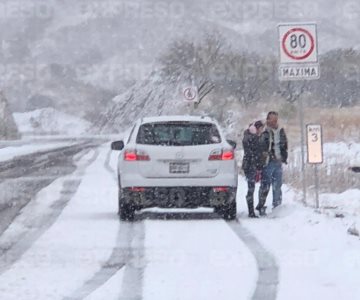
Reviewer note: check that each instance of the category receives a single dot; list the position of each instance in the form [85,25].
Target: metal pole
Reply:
[303,175]
[317,186]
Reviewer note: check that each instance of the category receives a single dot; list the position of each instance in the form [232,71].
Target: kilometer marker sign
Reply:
[298,52]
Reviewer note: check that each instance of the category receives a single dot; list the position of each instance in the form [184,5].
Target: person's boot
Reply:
[262,211]
[250,204]
[275,205]
[252,215]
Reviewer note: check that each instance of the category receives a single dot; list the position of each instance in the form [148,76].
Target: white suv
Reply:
[176,162]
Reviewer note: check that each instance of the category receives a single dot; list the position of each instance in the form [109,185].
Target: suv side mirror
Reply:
[232,143]
[118,145]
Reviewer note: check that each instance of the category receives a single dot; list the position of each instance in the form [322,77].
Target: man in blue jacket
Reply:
[274,147]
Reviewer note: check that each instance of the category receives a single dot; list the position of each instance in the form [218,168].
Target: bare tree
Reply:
[246,76]
[339,84]
[291,91]
[194,63]
[8,128]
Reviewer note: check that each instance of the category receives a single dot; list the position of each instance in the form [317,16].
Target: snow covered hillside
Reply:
[82,51]
[157,96]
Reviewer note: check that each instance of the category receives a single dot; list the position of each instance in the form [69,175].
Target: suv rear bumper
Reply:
[178,197]
[223,179]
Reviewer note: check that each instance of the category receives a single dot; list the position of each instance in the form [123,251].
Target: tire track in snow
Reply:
[132,283]
[14,244]
[128,253]
[134,238]
[268,280]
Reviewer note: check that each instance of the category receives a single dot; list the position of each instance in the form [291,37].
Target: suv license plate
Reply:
[179,168]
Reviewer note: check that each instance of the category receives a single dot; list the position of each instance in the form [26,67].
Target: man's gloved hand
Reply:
[258,175]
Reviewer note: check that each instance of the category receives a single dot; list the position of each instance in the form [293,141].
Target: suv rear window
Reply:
[178,134]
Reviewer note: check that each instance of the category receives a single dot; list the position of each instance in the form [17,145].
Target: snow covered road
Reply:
[67,243]
[22,177]
[80,255]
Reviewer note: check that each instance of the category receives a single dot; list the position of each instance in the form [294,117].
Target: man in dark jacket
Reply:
[252,161]
[274,145]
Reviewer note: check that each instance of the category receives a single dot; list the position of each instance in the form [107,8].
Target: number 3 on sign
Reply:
[314,137]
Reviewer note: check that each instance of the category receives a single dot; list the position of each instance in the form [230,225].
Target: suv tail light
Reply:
[227,155]
[221,154]
[136,155]
[220,189]
[137,189]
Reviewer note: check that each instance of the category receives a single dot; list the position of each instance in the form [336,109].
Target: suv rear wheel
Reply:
[227,211]
[126,210]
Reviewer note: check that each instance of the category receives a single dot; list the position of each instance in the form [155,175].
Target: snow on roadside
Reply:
[317,258]
[348,153]
[9,153]
[50,121]
[347,203]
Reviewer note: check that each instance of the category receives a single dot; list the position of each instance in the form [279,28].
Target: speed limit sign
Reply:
[298,43]
[298,52]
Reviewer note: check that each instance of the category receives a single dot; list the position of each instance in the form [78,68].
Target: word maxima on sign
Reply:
[307,72]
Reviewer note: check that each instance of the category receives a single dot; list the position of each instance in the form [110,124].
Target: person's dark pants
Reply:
[271,176]
[250,178]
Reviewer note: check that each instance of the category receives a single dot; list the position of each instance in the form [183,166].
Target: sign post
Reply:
[315,152]
[299,61]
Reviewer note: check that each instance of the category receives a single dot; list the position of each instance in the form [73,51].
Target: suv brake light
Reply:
[227,155]
[221,154]
[136,155]
[220,189]
[137,189]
